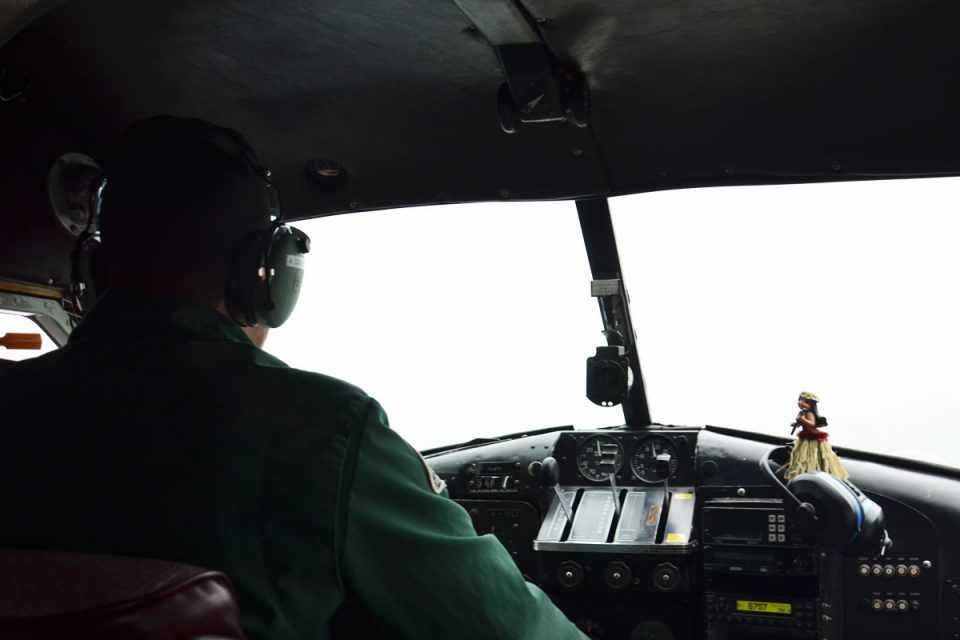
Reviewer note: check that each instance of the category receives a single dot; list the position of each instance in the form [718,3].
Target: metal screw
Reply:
[577,153]
[741,492]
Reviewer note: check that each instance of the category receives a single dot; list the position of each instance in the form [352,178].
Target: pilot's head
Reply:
[182,194]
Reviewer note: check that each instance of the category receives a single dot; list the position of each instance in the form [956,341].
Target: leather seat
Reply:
[63,595]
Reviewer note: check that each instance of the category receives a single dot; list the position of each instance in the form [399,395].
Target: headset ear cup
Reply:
[245,278]
[284,265]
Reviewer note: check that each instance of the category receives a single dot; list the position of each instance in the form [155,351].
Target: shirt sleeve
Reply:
[412,558]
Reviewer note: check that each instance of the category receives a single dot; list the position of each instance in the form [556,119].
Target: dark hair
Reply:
[813,405]
[181,194]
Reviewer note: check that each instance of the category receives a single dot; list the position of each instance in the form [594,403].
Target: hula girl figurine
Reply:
[812,452]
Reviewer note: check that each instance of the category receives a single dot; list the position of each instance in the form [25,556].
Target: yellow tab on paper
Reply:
[676,538]
[683,496]
[755,606]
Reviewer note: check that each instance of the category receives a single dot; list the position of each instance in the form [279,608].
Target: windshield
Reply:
[743,297]
[470,321]
[463,321]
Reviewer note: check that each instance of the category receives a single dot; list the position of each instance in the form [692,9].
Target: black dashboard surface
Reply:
[721,557]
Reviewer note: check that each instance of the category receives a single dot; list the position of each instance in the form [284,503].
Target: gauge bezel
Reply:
[674,462]
[617,468]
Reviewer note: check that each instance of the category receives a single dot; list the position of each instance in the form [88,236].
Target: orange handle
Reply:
[21,341]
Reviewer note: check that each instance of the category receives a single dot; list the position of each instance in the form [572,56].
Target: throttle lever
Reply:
[550,477]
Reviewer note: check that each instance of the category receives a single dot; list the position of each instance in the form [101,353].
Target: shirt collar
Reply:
[125,314]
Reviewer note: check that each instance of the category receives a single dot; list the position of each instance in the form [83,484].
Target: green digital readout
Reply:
[756,606]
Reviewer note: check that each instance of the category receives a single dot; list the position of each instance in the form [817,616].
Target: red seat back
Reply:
[64,595]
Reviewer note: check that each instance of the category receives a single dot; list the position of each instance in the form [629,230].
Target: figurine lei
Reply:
[812,452]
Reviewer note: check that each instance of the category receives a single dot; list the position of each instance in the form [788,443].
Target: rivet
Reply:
[577,153]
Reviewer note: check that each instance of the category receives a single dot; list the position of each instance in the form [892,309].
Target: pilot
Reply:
[162,430]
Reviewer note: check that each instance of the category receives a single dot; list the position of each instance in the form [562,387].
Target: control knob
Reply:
[666,577]
[569,574]
[618,575]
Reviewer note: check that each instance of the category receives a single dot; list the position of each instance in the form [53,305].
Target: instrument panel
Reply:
[592,457]
[711,552]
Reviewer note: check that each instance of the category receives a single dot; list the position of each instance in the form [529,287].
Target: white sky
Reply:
[476,320]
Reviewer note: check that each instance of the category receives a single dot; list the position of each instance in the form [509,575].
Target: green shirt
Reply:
[162,431]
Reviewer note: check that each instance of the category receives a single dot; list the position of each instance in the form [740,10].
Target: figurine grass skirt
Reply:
[814,455]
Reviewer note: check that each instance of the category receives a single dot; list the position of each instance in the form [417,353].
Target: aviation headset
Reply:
[265,268]
[835,512]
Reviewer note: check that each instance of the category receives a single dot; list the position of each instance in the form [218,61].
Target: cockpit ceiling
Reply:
[403,94]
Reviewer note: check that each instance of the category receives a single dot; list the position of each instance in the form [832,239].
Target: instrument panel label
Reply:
[757,606]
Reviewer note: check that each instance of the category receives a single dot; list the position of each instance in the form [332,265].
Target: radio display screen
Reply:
[758,606]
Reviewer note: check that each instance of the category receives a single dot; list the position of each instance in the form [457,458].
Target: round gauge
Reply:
[598,456]
[645,455]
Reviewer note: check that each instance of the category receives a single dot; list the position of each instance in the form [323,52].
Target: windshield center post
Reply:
[609,289]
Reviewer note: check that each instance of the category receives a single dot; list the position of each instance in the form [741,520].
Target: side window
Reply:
[15,323]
